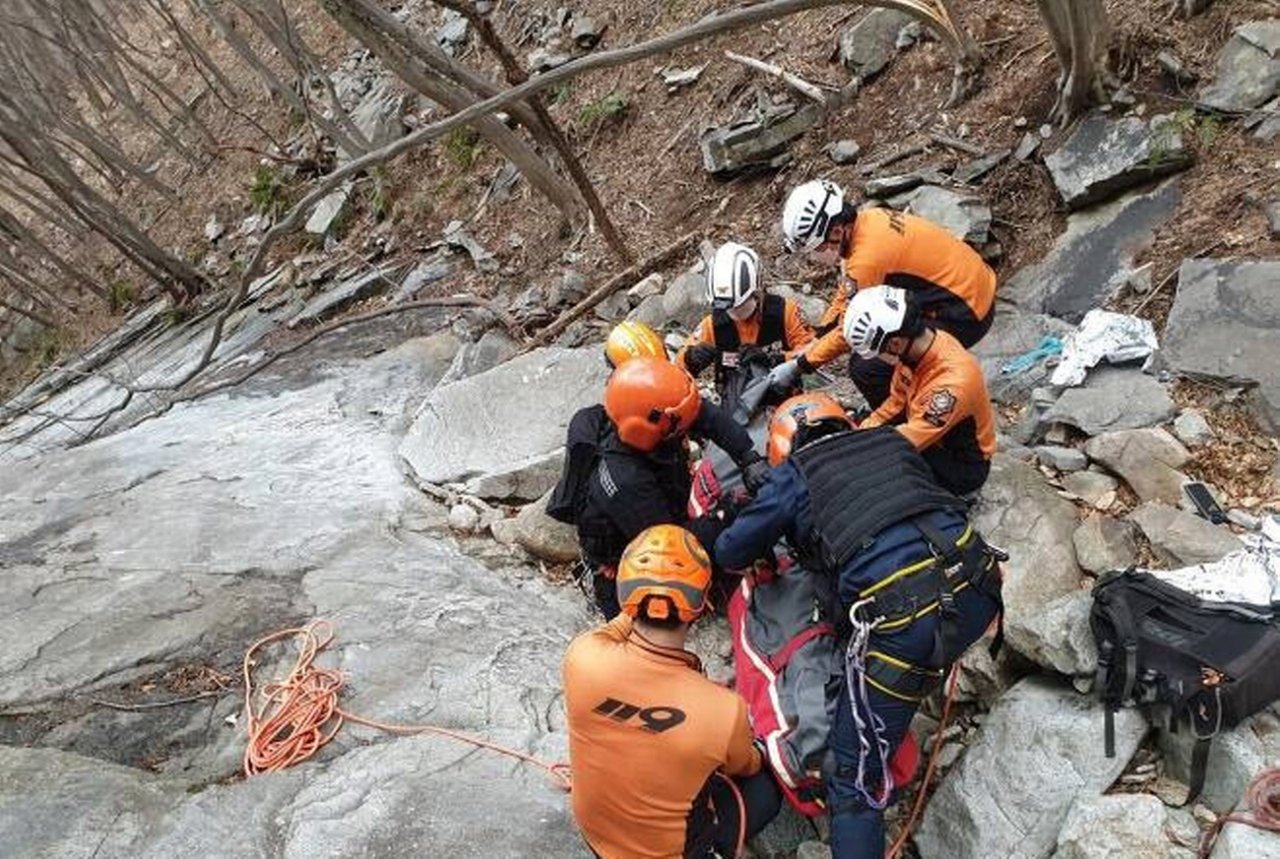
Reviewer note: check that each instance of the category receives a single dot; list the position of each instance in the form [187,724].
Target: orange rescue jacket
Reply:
[910,252]
[646,731]
[941,400]
[796,332]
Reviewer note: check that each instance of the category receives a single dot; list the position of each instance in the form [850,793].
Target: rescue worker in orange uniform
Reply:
[954,289]
[663,760]
[937,396]
[743,316]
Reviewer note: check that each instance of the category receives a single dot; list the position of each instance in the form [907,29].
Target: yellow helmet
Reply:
[630,340]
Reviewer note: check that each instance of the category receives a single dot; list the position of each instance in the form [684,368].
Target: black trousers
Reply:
[758,795]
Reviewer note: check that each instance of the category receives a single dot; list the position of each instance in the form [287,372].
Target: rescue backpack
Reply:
[1212,663]
[787,666]
[581,452]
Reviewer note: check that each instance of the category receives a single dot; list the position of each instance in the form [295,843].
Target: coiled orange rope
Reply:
[295,717]
[1262,798]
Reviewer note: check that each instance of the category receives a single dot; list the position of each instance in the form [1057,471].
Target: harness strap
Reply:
[1199,764]
[780,659]
[900,679]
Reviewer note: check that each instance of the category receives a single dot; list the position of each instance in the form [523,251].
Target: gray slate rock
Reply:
[1027,146]
[843,151]
[972,171]
[1091,261]
[1062,458]
[379,115]
[963,215]
[343,295]
[1118,826]
[1224,326]
[1106,156]
[1113,398]
[1268,126]
[1018,510]
[1061,636]
[1104,544]
[1037,754]
[1248,71]
[882,187]
[1092,487]
[754,143]
[1181,538]
[329,211]
[683,304]
[1192,429]
[811,307]
[1273,218]
[868,46]
[1147,459]
[466,432]
[431,270]
[493,348]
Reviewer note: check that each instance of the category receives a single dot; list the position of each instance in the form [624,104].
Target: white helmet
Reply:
[733,276]
[807,215]
[877,313]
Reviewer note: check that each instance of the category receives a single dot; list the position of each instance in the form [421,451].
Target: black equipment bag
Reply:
[1213,663]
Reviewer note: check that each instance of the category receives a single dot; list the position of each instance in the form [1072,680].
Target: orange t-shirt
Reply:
[646,731]
[910,252]
[942,399]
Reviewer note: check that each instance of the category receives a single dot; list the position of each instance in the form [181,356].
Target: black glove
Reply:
[754,473]
[699,357]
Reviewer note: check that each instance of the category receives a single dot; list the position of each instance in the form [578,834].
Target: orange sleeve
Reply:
[835,310]
[702,334]
[798,332]
[891,409]
[933,410]
[742,758]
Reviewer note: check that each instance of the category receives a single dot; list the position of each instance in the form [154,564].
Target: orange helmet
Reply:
[630,340]
[664,569]
[650,400]
[802,409]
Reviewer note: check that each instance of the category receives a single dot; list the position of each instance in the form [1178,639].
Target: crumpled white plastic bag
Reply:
[1250,575]
[1116,337]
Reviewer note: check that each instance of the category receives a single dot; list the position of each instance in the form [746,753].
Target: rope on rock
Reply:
[295,717]
[901,841]
[1262,798]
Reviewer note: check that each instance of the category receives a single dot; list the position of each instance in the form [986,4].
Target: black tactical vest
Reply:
[773,329]
[861,483]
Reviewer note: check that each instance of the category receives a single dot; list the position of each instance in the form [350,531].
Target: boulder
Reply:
[683,304]
[1237,755]
[1104,157]
[1092,487]
[965,216]
[646,288]
[1147,459]
[1058,636]
[755,142]
[1223,326]
[985,678]
[452,34]
[1241,841]
[1018,510]
[538,534]
[1092,259]
[1182,539]
[1113,398]
[501,432]
[493,348]
[1062,458]
[1192,429]
[1248,71]
[1119,826]
[1268,126]
[1104,544]
[378,115]
[1038,753]
[868,46]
